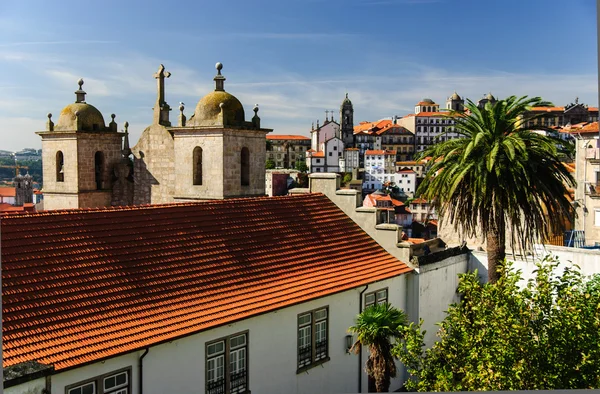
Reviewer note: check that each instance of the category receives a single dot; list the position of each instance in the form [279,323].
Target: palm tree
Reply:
[375,326]
[501,175]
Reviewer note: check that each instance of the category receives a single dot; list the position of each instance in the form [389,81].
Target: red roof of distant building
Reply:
[316,154]
[286,137]
[419,201]
[424,114]
[380,152]
[351,149]
[96,283]
[368,126]
[7,191]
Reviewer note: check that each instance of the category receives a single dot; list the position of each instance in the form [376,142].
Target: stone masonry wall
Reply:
[87,145]
[233,142]
[211,142]
[154,166]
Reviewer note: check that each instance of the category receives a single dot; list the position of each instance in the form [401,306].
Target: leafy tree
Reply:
[502,336]
[347,178]
[301,166]
[500,176]
[270,164]
[375,326]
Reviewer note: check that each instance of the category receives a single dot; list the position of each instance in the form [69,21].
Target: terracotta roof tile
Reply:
[83,285]
[7,191]
[287,137]
[316,154]
[380,152]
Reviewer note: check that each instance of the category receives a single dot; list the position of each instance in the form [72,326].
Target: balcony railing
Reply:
[592,153]
[592,189]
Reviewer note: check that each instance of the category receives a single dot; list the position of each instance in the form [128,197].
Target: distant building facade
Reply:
[287,150]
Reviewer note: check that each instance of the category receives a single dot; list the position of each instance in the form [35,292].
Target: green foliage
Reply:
[375,326]
[35,169]
[501,174]
[269,145]
[543,336]
[347,178]
[270,164]
[301,166]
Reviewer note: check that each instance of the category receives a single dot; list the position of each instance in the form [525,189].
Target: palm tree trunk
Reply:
[496,249]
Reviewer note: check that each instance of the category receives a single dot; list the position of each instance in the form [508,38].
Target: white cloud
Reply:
[288,101]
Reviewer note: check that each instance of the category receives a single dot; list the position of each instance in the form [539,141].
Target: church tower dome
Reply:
[218,102]
[80,115]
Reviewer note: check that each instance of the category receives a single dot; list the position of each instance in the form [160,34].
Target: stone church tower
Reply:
[79,155]
[23,189]
[347,122]
[214,154]
[455,103]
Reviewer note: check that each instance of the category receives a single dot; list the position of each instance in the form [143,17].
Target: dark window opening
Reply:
[60,170]
[197,160]
[245,163]
[98,169]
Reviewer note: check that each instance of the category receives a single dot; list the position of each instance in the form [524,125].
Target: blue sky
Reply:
[295,58]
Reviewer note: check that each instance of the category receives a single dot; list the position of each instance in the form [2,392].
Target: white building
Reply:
[429,124]
[379,168]
[351,160]
[406,181]
[226,296]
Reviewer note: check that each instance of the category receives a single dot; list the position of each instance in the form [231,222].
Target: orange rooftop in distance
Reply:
[85,285]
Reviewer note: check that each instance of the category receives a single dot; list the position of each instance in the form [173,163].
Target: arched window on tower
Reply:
[245,162]
[60,170]
[197,160]
[98,169]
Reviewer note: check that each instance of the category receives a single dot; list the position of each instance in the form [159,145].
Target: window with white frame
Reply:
[376,297]
[313,338]
[227,365]
[118,382]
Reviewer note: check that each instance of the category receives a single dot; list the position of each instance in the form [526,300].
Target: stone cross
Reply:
[326,115]
[160,78]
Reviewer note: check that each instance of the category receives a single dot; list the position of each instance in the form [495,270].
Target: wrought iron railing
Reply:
[216,387]
[238,382]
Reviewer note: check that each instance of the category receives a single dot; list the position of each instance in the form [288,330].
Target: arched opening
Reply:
[197,160]
[60,171]
[245,162]
[98,169]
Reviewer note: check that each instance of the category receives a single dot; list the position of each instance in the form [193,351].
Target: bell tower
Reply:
[78,155]
[347,122]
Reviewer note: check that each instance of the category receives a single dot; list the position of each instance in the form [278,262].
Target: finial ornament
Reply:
[346,94]
[50,123]
[219,79]
[80,93]
[256,119]
[161,108]
[126,125]
[182,118]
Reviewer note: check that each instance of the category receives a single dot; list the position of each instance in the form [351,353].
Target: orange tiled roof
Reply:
[351,149]
[423,114]
[391,127]
[7,191]
[317,154]
[96,283]
[366,126]
[558,109]
[416,240]
[380,152]
[286,137]
[419,201]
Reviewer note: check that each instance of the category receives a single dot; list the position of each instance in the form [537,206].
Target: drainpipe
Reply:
[361,350]
[141,370]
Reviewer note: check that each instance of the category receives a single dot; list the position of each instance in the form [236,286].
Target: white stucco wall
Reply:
[588,260]
[438,283]
[179,366]
[32,387]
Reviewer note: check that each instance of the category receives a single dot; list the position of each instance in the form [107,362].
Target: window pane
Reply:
[304,319]
[321,314]
[76,390]
[238,341]
[369,299]
[115,381]
[321,340]
[382,296]
[215,348]
[89,388]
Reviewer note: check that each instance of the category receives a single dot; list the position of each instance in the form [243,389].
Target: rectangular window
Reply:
[335,148]
[227,365]
[313,335]
[330,153]
[118,382]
